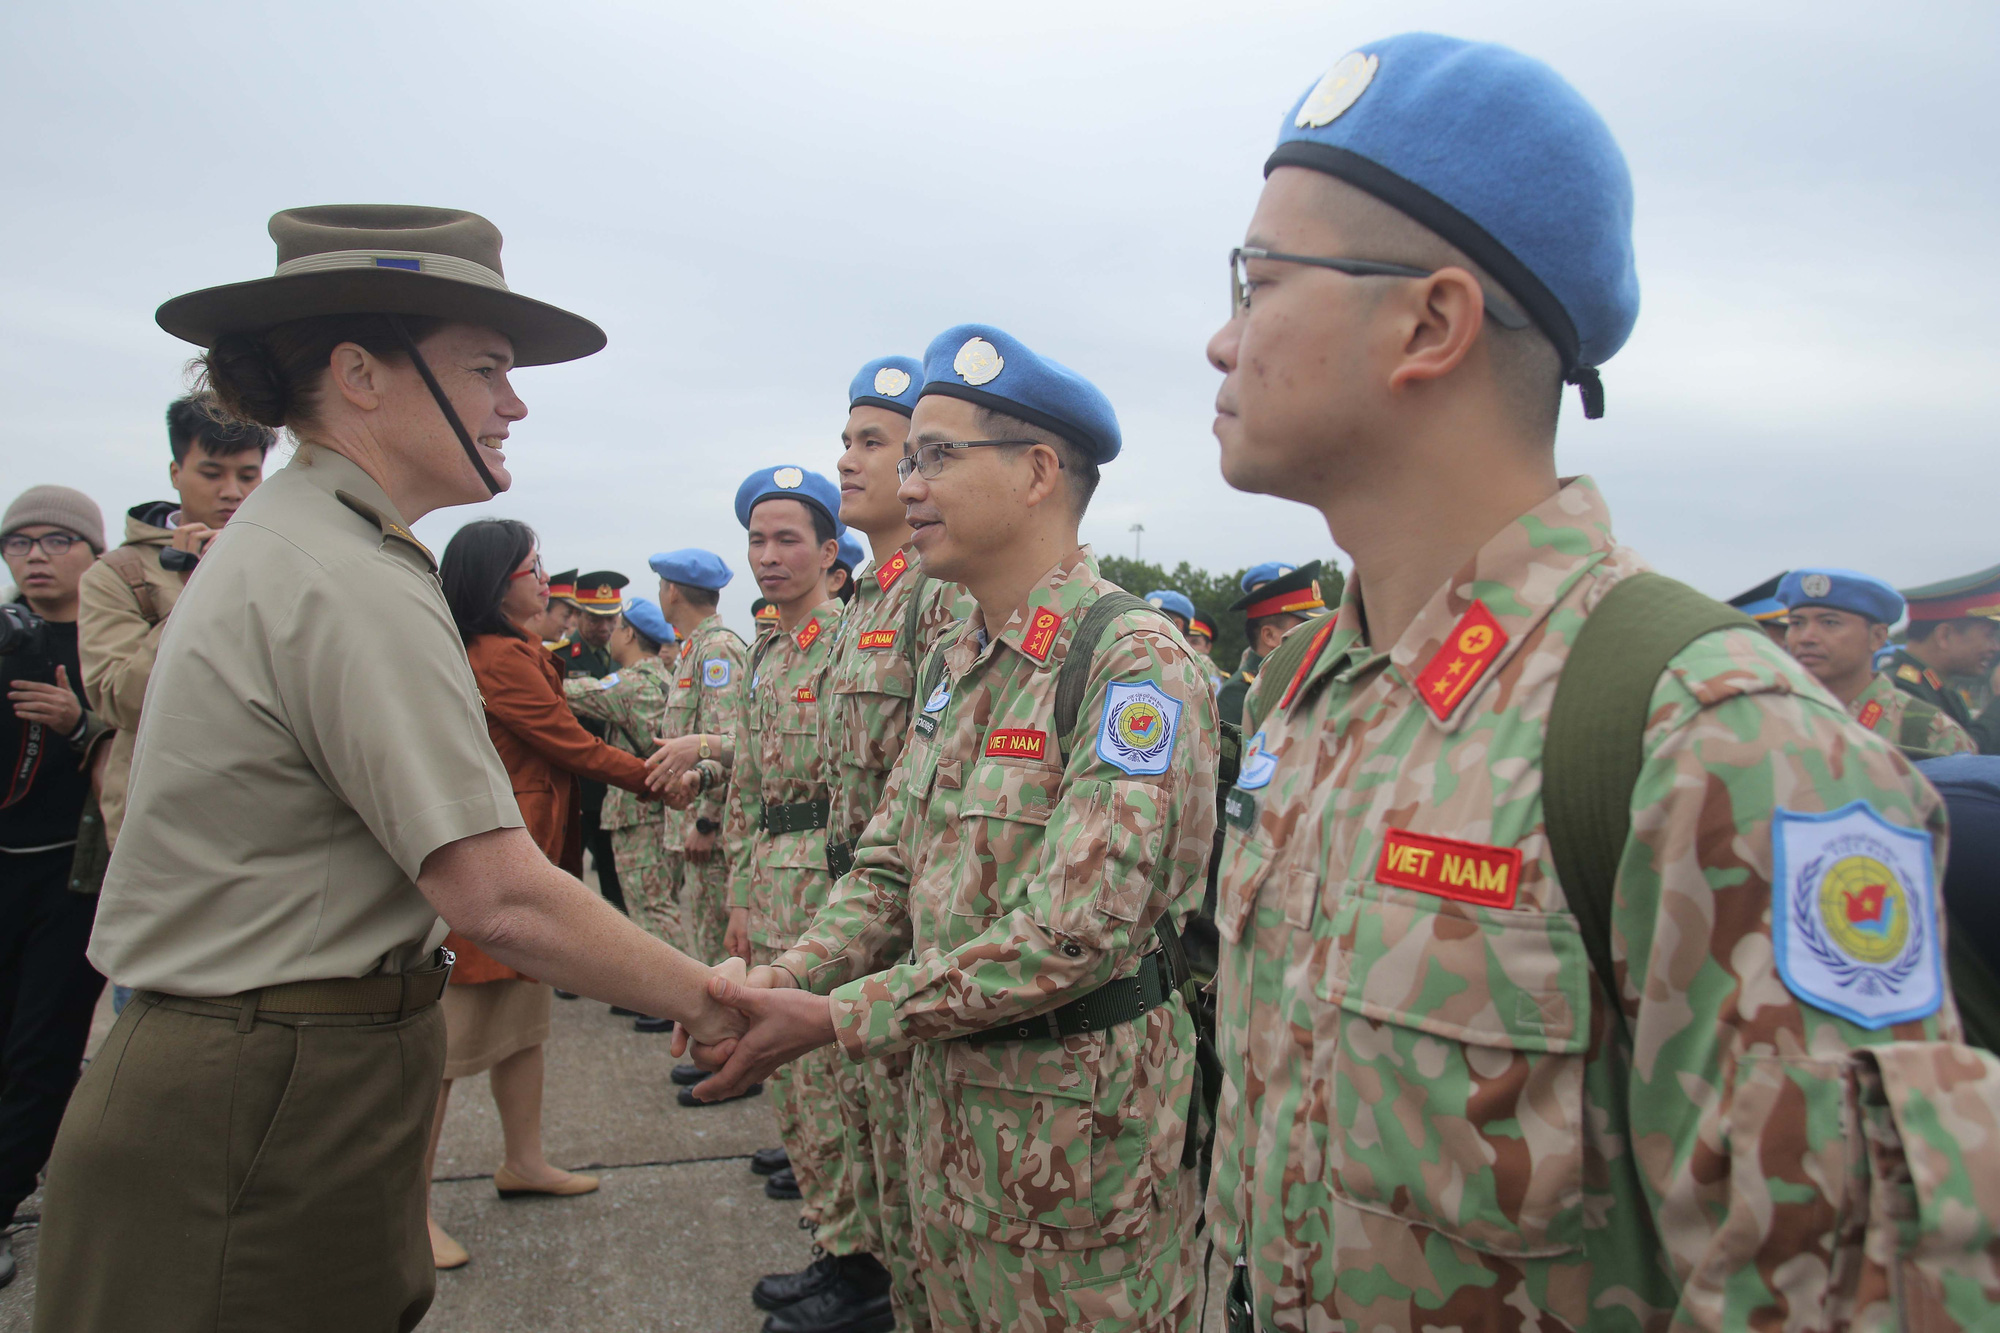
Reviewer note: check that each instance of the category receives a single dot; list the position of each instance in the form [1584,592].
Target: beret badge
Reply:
[890,381]
[788,478]
[1340,89]
[1816,585]
[978,362]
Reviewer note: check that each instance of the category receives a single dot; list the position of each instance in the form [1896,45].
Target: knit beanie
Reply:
[60,507]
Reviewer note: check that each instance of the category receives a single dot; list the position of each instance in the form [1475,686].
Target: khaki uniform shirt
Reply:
[117,646]
[780,877]
[1002,878]
[865,699]
[314,733]
[1428,1120]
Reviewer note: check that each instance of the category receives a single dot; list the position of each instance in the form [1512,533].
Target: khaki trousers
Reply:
[229,1181]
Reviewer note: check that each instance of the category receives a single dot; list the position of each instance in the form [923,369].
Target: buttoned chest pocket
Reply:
[1002,817]
[1018,1136]
[869,707]
[1457,1039]
[1257,874]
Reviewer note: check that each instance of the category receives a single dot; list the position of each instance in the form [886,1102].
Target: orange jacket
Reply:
[545,751]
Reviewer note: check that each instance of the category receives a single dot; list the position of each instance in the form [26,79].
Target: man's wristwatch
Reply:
[704,750]
[706,826]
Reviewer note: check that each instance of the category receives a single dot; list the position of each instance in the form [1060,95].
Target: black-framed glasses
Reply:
[1503,312]
[18,544]
[928,459]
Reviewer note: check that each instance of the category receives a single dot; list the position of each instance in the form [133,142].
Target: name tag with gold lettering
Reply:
[1470,872]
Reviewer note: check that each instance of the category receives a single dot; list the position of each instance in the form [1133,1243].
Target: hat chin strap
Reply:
[444,404]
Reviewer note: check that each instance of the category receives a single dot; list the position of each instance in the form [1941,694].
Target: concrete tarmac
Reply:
[674,1239]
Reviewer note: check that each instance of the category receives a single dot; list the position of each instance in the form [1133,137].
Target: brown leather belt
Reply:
[401,994]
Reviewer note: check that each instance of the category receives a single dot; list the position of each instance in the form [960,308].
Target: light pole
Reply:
[1137,530]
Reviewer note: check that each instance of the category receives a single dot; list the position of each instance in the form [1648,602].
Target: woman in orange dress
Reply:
[496,1018]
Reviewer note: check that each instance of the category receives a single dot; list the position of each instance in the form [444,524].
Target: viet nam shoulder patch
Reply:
[715,672]
[1470,872]
[1854,915]
[1137,733]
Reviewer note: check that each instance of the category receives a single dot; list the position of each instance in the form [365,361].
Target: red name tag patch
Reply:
[1018,743]
[685,681]
[1470,872]
[803,694]
[878,638]
[1871,714]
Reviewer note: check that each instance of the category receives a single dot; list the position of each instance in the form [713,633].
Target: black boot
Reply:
[620,1011]
[686,1096]
[855,1301]
[688,1074]
[645,1023]
[766,1160]
[774,1291]
[781,1184]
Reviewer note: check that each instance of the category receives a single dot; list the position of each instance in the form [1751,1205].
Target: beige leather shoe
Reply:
[446,1253]
[512,1186]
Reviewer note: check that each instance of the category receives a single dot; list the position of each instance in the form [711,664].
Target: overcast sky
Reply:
[754,199]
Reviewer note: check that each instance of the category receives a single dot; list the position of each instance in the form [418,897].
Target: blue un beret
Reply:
[1843,590]
[893,382]
[1497,154]
[646,618]
[694,567]
[851,553]
[1166,599]
[980,364]
[1264,573]
[789,483]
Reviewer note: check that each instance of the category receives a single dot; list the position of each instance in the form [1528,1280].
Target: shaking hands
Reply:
[773,1023]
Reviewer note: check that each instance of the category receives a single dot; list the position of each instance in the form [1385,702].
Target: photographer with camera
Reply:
[128,595]
[48,738]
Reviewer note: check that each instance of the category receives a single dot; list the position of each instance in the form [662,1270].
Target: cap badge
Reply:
[1341,87]
[978,362]
[891,381]
[1156,602]
[788,478]
[1816,585]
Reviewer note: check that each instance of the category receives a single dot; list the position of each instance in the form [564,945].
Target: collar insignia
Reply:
[1468,651]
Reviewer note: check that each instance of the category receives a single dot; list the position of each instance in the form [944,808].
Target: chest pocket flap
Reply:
[1457,1050]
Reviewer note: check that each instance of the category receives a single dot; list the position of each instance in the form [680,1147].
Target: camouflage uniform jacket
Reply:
[1913,677]
[1881,708]
[998,881]
[629,702]
[1208,669]
[709,679]
[780,877]
[865,699]
[1429,1116]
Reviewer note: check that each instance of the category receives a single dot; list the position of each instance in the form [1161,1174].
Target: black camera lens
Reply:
[21,631]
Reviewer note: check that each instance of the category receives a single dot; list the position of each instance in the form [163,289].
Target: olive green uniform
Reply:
[246,1151]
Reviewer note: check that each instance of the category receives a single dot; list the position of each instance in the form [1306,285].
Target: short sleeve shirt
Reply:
[312,732]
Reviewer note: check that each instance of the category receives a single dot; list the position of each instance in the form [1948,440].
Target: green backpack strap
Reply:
[1595,741]
[1073,677]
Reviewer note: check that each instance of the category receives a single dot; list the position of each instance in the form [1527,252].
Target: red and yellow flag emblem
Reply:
[1468,650]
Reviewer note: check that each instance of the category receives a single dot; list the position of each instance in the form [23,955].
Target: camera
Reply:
[22,632]
[178,561]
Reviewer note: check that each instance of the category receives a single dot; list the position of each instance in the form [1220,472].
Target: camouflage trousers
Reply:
[871,1212]
[650,875]
[704,890]
[1143,1285]
[808,1113]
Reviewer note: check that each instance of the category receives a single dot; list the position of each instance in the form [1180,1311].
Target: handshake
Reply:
[750,1023]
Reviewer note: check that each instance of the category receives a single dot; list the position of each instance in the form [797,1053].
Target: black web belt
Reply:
[1115,1002]
[839,857]
[797,817]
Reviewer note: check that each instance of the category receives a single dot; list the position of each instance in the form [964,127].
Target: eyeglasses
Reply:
[18,544]
[928,460]
[1503,312]
[535,569]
